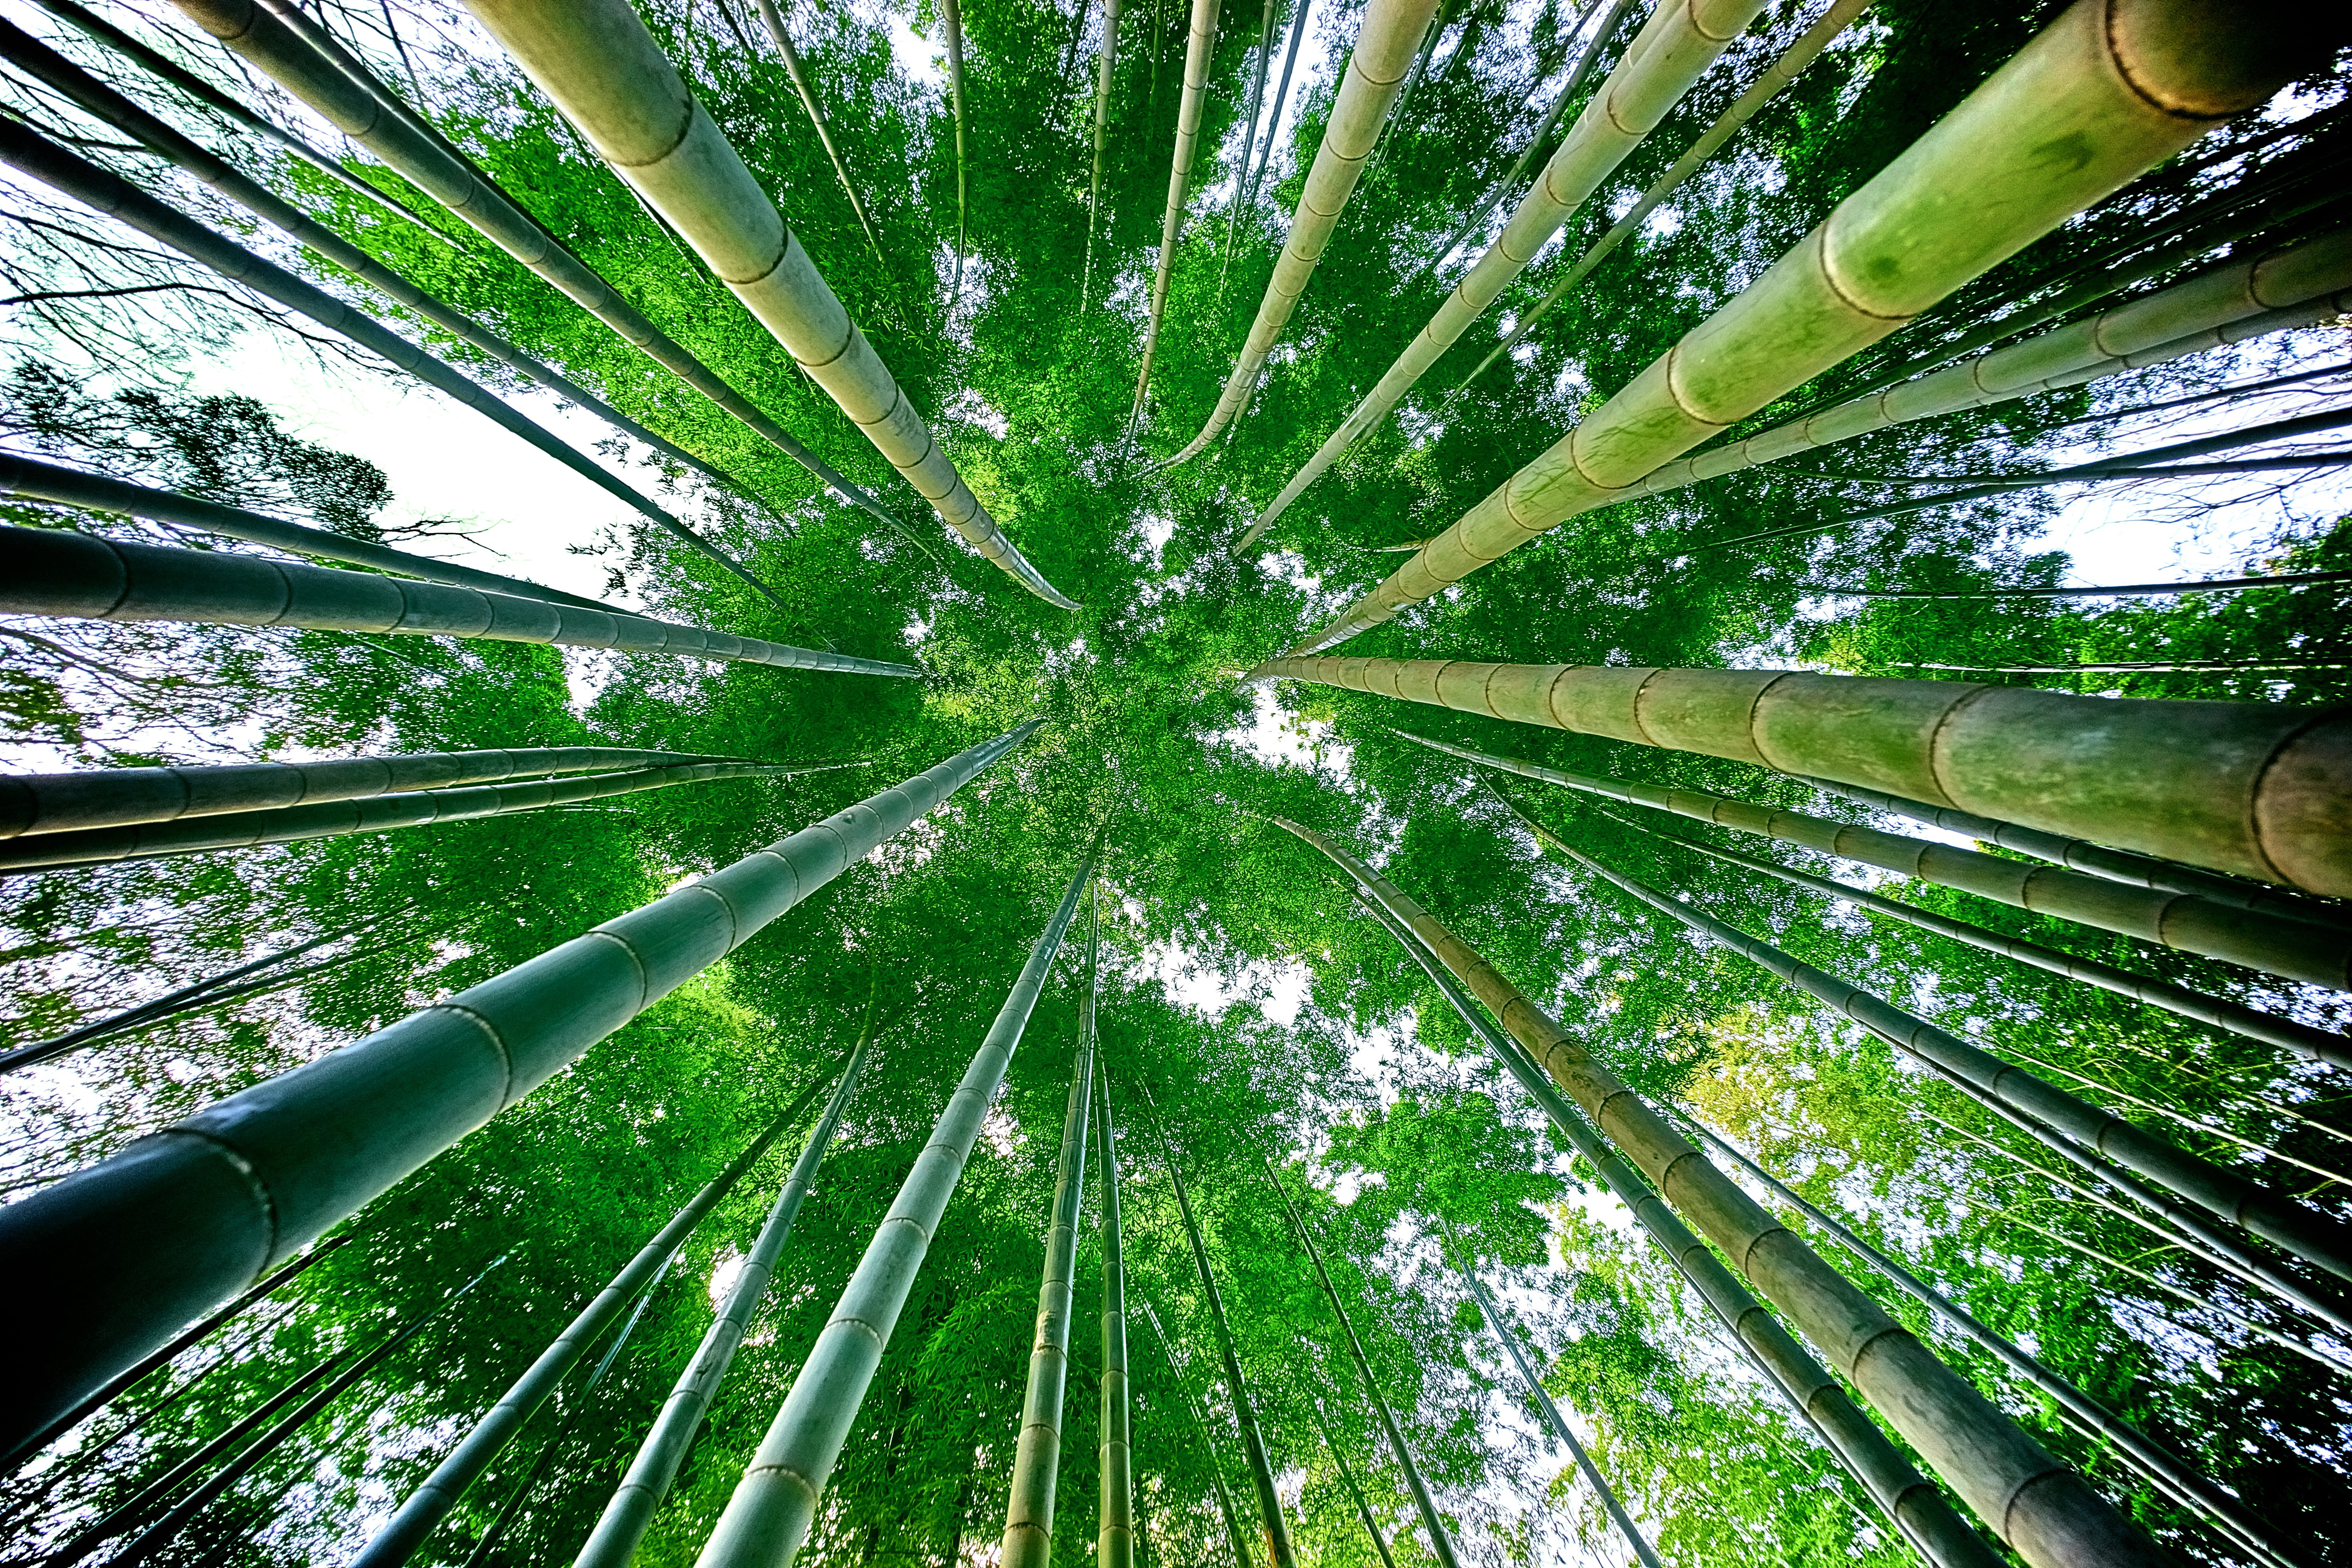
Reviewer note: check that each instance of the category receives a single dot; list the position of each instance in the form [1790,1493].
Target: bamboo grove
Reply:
[1436,783]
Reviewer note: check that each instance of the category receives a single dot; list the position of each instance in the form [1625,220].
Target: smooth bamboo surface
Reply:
[1116,1539]
[1200,44]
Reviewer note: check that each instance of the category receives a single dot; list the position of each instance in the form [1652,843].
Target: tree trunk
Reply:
[604,72]
[1662,64]
[259,1174]
[807,89]
[1281,95]
[1440,1543]
[1375,71]
[1975,190]
[1200,44]
[2043,1510]
[768,1519]
[2263,795]
[1102,66]
[613,1540]
[78,577]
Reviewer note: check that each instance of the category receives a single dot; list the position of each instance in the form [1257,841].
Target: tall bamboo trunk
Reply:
[1441,1541]
[1536,1390]
[398,1539]
[951,22]
[128,1250]
[1281,95]
[265,41]
[1355,1493]
[605,72]
[2264,793]
[1375,71]
[1976,189]
[1116,1540]
[1037,1452]
[1103,67]
[2059,1122]
[2040,1507]
[1910,1504]
[1269,1501]
[613,1540]
[1249,140]
[116,109]
[768,1519]
[1201,43]
[1235,1536]
[806,87]
[2299,948]
[1662,64]
[76,576]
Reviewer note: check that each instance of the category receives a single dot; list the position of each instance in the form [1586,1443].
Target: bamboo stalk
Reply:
[2053,891]
[2041,1508]
[1103,64]
[768,1519]
[952,22]
[1441,1541]
[1281,94]
[1249,138]
[189,1215]
[1120,1531]
[807,89]
[1355,1493]
[1375,71]
[603,68]
[1201,43]
[1235,1537]
[2263,794]
[1661,66]
[79,577]
[1975,190]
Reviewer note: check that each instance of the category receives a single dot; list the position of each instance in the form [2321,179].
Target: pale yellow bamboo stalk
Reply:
[1376,69]
[605,72]
[2120,86]
[1103,67]
[1199,44]
[1675,47]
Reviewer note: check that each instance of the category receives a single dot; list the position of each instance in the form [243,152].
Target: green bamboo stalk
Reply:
[74,576]
[397,1541]
[259,1174]
[1441,1540]
[1355,1493]
[1662,64]
[265,40]
[1269,1501]
[2263,794]
[1235,1537]
[1979,187]
[1103,64]
[2064,893]
[1375,71]
[613,1540]
[952,21]
[119,797]
[1911,1504]
[2042,1508]
[1249,138]
[1510,1336]
[1117,1538]
[1281,95]
[1037,1451]
[803,85]
[333,819]
[605,72]
[766,1520]
[1201,43]
[2168,1471]
[1792,64]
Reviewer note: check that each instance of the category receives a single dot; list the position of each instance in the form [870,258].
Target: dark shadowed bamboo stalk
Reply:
[613,1540]
[803,85]
[2173,1475]
[1536,1390]
[1281,95]
[1037,1451]
[1235,1536]
[2039,1505]
[2264,793]
[1348,1478]
[2062,893]
[768,1519]
[398,1539]
[192,1214]
[951,22]
[1201,43]
[1269,1501]
[1911,1504]
[1441,1541]
[1103,65]
[1116,1539]
[1976,189]
[52,573]
[2119,590]
[1249,138]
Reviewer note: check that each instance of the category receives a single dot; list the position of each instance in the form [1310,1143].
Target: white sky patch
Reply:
[922,60]
[725,1268]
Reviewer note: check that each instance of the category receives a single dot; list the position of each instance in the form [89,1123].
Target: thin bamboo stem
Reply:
[1355,1493]
[1249,137]
[1201,43]
[1119,1533]
[951,22]
[806,87]
[1281,95]
[1103,67]
[1235,1537]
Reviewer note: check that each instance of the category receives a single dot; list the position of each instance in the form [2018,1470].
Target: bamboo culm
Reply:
[1909,1502]
[190,1215]
[1120,1532]
[2040,1507]
[951,24]
[1249,138]
[766,1520]
[1355,1493]
[1976,189]
[2263,794]
[1235,1536]
[1200,44]
[79,577]
[1103,64]
[807,89]
[2064,893]
[1281,95]
[398,1539]
[1037,1451]
[1441,1540]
